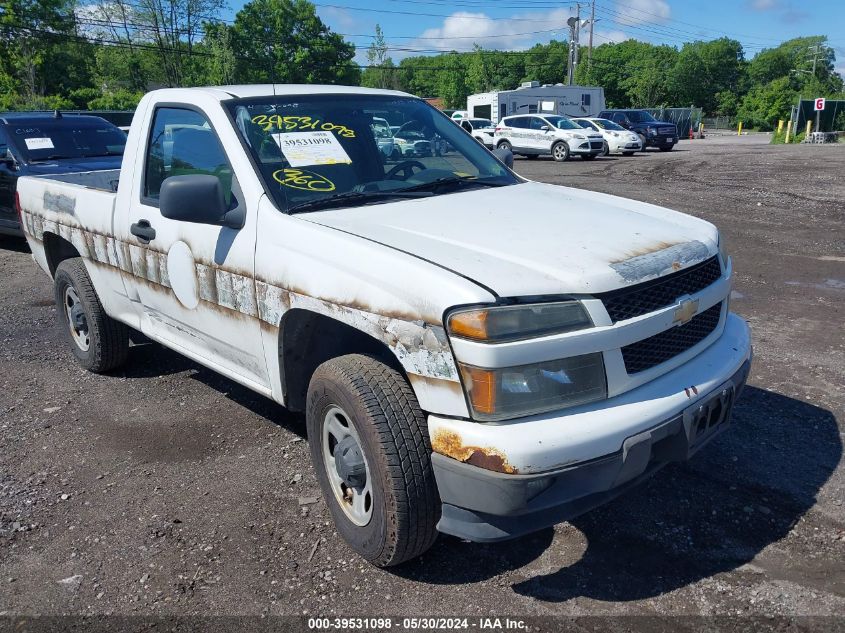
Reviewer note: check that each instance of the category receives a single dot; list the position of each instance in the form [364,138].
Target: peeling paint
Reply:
[449,443]
[422,348]
[659,259]
[59,202]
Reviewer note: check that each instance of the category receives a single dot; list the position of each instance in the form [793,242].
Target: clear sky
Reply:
[415,27]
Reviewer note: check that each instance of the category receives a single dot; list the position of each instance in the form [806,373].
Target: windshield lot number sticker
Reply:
[311,148]
[303,179]
[39,143]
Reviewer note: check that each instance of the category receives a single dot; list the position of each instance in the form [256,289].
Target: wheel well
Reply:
[502,142]
[308,339]
[57,249]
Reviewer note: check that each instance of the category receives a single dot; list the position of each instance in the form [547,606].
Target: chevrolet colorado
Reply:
[474,353]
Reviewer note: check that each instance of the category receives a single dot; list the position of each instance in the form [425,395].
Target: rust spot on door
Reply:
[449,443]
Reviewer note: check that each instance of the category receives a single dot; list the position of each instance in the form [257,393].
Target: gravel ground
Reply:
[164,489]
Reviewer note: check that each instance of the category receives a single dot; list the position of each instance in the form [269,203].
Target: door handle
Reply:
[143,231]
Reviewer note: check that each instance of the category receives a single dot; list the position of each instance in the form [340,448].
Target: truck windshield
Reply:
[312,151]
[608,125]
[562,123]
[52,139]
[640,116]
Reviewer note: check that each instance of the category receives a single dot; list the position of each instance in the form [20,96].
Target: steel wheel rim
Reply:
[356,503]
[559,152]
[76,319]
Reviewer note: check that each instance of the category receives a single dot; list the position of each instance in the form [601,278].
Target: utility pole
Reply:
[577,34]
[570,73]
[592,22]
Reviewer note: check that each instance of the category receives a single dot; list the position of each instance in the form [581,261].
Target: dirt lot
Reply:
[165,489]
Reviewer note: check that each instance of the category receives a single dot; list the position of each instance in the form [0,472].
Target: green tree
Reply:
[381,71]
[285,41]
[704,69]
[40,52]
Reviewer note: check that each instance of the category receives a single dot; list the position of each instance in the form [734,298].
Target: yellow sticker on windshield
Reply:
[300,123]
[303,179]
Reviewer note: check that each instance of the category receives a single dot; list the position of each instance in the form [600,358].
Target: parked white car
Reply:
[475,353]
[482,130]
[617,140]
[383,136]
[533,135]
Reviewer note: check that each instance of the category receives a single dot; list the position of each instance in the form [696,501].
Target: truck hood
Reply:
[535,239]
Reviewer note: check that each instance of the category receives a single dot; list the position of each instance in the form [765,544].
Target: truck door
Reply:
[195,282]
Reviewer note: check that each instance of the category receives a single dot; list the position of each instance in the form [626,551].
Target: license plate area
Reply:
[705,419]
[671,139]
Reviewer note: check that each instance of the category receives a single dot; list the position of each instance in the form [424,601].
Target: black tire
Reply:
[605,149]
[108,340]
[627,153]
[642,142]
[666,148]
[588,156]
[532,156]
[504,145]
[560,151]
[393,435]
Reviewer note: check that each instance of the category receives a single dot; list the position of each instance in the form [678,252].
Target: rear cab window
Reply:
[65,138]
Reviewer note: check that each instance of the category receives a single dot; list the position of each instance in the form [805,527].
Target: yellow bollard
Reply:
[701,130]
[739,129]
[809,127]
[788,130]
[780,126]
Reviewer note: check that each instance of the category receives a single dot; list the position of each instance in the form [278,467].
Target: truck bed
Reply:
[106,180]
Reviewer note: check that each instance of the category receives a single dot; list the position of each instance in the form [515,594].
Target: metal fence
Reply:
[831,119]
[718,123]
[683,118]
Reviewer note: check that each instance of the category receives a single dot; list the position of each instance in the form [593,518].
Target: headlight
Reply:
[614,133]
[499,324]
[580,136]
[652,131]
[512,392]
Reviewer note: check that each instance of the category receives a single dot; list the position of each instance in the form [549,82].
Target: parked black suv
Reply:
[653,133]
[40,144]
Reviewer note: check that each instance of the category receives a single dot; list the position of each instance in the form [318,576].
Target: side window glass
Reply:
[182,143]
[537,123]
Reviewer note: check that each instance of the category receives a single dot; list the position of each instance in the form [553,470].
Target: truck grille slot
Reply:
[659,348]
[627,303]
[667,131]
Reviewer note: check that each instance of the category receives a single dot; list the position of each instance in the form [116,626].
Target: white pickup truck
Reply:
[475,353]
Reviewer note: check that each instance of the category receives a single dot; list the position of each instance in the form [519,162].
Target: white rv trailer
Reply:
[532,98]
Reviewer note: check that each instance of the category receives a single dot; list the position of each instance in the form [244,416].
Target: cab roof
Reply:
[245,91]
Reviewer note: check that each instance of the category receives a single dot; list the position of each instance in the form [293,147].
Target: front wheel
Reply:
[370,448]
[642,142]
[99,342]
[605,149]
[560,151]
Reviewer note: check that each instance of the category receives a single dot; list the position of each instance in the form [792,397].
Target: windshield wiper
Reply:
[453,180]
[340,199]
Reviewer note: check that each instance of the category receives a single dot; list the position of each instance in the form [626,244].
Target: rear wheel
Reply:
[605,149]
[504,145]
[560,151]
[370,448]
[99,342]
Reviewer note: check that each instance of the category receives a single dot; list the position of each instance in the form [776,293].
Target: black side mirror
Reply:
[504,155]
[198,198]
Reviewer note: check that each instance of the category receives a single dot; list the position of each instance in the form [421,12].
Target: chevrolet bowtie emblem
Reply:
[685,311]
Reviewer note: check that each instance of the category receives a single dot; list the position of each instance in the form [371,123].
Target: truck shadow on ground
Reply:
[691,521]
[14,244]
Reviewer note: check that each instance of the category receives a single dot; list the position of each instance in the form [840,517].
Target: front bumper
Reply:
[594,147]
[657,423]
